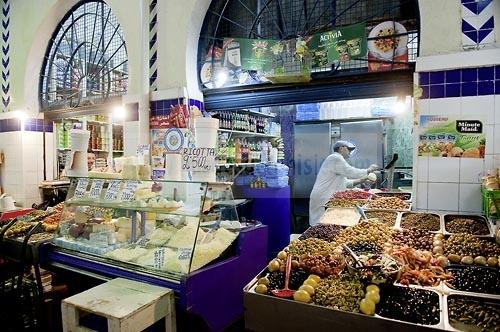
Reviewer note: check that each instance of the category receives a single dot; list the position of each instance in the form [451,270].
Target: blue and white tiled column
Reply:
[477,23]
[5,55]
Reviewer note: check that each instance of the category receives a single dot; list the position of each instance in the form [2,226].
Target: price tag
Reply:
[112,192]
[128,192]
[81,187]
[184,254]
[198,159]
[159,258]
[96,188]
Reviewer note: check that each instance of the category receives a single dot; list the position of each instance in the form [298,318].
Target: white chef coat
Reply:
[332,177]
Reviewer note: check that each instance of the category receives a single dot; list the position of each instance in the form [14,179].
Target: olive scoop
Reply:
[286,292]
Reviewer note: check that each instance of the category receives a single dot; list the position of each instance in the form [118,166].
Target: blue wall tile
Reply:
[425,92]
[486,73]
[424,78]
[485,88]
[437,77]
[437,91]
[497,72]
[497,87]
[453,76]
[469,75]
[452,90]
[469,89]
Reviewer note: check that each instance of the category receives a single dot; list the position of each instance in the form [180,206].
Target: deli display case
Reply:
[175,234]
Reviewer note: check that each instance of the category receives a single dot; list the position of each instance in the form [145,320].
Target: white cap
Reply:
[347,144]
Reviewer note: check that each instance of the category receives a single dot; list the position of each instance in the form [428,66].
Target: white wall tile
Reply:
[470,198]
[496,139]
[443,196]
[422,195]
[445,106]
[490,139]
[444,169]
[497,109]
[424,106]
[422,169]
[488,162]
[471,169]
[30,177]
[482,107]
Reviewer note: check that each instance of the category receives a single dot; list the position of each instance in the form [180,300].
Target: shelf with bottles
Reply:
[236,165]
[252,123]
[246,133]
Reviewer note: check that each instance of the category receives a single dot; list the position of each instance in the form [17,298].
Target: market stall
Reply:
[397,269]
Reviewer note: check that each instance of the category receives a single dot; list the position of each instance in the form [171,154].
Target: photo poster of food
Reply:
[442,136]
[158,149]
[211,66]
[393,47]
[342,45]
[251,54]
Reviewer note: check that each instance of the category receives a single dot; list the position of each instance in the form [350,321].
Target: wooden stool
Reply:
[128,305]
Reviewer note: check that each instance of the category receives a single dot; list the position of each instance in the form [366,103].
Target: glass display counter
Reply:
[182,235]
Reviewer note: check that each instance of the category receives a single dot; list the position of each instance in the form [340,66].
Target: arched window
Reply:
[288,19]
[86,61]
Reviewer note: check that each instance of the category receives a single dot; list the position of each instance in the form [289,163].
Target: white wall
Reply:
[452,184]
[440,26]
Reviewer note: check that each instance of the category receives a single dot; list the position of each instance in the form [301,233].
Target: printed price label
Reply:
[128,192]
[96,188]
[198,159]
[159,258]
[112,192]
[184,253]
[81,187]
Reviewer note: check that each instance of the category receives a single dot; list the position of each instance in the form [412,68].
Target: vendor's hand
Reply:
[373,168]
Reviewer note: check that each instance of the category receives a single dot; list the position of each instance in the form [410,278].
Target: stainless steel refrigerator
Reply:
[313,142]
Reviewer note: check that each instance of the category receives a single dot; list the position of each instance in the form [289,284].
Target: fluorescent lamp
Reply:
[119,112]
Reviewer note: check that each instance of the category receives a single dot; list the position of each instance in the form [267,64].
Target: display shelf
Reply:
[102,123]
[117,151]
[63,149]
[247,111]
[128,206]
[117,124]
[99,150]
[236,164]
[246,133]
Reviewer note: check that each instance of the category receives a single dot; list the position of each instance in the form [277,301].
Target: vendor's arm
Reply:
[354,183]
[343,168]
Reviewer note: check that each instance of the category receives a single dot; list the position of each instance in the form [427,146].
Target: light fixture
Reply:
[119,112]
[400,105]
[221,78]
[21,115]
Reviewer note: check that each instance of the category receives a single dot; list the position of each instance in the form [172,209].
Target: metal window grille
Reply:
[284,19]
[86,61]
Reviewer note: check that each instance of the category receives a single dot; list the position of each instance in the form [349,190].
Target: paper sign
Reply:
[444,136]
[128,192]
[96,188]
[184,253]
[81,187]
[159,258]
[112,192]
[198,159]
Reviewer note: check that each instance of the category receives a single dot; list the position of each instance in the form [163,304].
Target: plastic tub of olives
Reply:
[472,312]
[483,226]
[405,196]
[440,325]
[396,212]
[433,214]
[470,279]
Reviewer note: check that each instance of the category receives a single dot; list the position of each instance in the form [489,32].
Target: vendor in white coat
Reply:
[335,175]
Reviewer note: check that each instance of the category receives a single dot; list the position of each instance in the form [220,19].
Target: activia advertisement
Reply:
[443,136]
[323,49]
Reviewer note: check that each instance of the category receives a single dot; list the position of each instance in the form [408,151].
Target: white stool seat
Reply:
[128,306]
